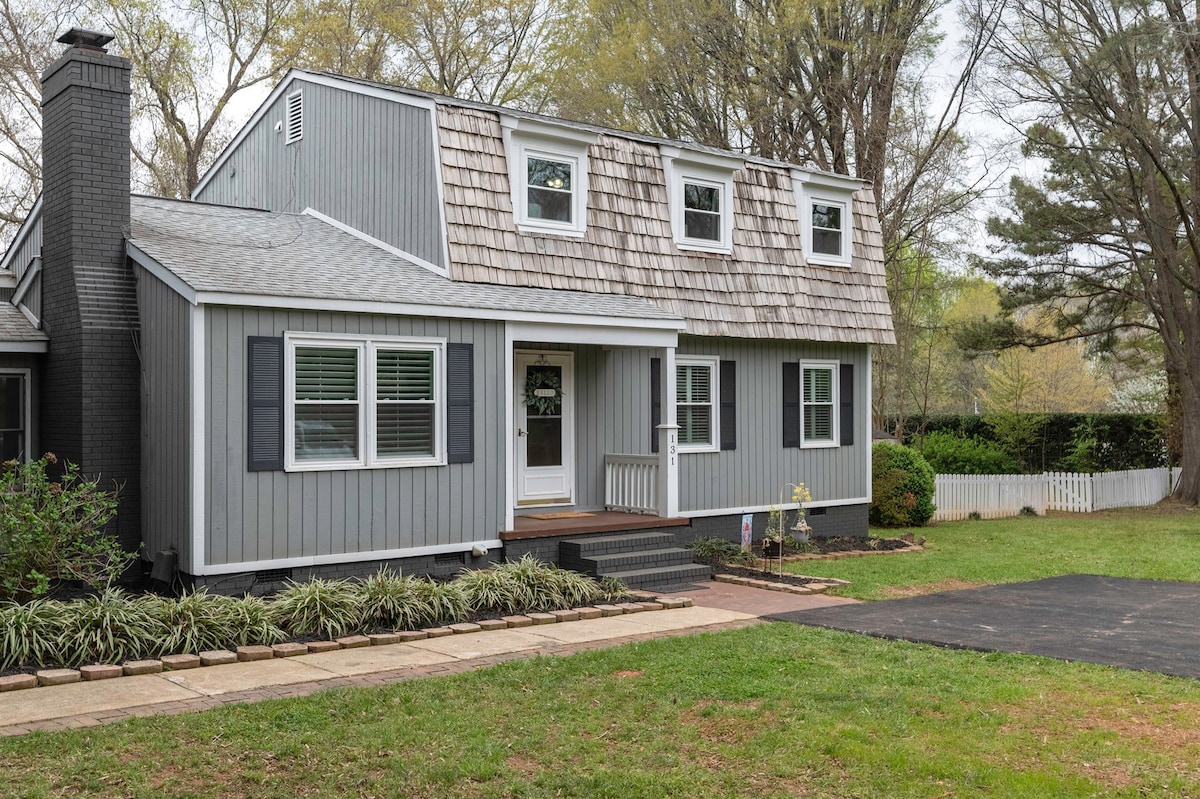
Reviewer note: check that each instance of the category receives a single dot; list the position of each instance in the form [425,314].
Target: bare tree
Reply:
[190,59]
[27,34]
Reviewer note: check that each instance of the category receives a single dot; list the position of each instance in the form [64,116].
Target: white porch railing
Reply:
[994,496]
[631,483]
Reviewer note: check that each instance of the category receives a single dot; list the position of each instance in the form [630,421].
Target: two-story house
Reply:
[399,327]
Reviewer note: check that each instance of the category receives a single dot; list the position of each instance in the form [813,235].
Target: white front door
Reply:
[544,384]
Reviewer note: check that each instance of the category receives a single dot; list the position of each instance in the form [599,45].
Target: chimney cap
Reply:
[81,37]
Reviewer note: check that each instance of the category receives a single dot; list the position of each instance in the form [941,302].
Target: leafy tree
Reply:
[1109,235]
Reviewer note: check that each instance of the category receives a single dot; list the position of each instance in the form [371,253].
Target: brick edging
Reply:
[361,681]
[49,677]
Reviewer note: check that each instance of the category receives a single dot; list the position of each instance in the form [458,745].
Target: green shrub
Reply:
[392,601]
[53,530]
[713,550]
[947,453]
[902,487]
[109,628]
[29,633]
[527,584]
[575,589]
[332,608]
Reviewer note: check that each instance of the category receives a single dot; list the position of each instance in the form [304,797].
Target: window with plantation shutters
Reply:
[404,397]
[327,411]
[817,399]
[357,401]
[695,403]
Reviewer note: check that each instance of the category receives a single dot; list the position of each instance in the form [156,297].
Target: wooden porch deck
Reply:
[600,521]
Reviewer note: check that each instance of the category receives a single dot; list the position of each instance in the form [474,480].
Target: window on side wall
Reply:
[703,209]
[549,189]
[696,382]
[819,405]
[361,402]
[14,416]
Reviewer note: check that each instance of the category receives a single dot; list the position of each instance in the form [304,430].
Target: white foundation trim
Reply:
[829,503]
[345,557]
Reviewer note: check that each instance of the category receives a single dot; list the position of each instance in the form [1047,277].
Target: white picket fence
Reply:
[994,496]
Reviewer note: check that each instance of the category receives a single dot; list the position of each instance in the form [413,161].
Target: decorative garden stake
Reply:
[800,495]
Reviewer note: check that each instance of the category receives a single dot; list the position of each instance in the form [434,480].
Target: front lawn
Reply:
[770,711]
[1154,543]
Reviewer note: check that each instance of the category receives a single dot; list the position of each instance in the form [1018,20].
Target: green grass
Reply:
[769,711]
[1152,543]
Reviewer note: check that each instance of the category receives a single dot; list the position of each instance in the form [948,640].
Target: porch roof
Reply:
[221,250]
[17,333]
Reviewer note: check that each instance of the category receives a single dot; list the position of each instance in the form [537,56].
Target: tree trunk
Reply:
[1188,489]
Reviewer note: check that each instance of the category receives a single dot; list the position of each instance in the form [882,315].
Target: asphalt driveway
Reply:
[1135,624]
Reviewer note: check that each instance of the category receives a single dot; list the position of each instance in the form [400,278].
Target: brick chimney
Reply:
[90,403]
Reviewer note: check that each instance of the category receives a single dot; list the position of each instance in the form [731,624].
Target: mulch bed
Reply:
[769,566]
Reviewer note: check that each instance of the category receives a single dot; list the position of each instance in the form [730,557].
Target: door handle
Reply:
[521,432]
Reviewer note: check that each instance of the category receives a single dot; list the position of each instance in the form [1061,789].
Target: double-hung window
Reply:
[700,194]
[548,175]
[696,384]
[819,404]
[359,402]
[14,416]
[824,203]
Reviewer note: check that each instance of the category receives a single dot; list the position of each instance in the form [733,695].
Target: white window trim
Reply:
[821,189]
[290,135]
[26,402]
[704,169]
[524,138]
[367,346]
[714,364]
[834,441]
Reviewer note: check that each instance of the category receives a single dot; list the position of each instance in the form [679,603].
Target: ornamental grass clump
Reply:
[254,621]
[110,628]
[495,590]
[52,530]
[332,608]
[447,602]
[393,601]
[199,621]
[29,633]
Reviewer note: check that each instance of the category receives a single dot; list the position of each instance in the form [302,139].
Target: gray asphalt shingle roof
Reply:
[243,251]
[15,327]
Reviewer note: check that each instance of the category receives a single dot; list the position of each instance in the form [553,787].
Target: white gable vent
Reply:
[295,118]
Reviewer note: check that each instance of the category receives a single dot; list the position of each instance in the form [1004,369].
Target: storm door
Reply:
[545,422]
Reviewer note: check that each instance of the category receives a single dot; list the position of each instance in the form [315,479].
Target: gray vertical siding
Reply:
[612,415]
[753,473]
[255,516]
[26,247]
[382,150]
[166,413]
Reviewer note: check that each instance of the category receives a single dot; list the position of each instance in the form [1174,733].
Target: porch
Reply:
[570,523]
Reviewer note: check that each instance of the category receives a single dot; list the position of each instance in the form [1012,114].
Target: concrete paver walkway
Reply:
[718,606]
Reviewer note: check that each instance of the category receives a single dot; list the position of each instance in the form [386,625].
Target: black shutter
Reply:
[791,404]
[728,398]
[655,401]
[264,421]
[460,403]
[846,404]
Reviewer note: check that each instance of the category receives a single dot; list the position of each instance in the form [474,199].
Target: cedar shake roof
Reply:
[765,289]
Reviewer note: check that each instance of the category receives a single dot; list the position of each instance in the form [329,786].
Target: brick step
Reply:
[586,547]
[666,575]
[644,559]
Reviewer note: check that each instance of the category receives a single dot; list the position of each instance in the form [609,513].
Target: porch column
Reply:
[668,440]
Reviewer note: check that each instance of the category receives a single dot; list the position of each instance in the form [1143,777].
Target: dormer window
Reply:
[824,203]
[548,171]
[700,192]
